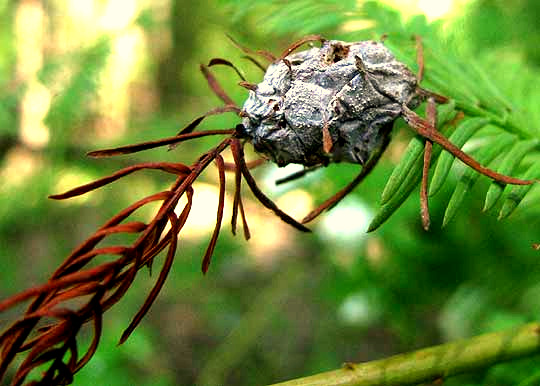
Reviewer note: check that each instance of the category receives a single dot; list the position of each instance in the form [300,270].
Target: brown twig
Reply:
[428,131]
[431,112]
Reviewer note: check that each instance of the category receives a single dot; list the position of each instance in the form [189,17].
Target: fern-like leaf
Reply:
[486,112]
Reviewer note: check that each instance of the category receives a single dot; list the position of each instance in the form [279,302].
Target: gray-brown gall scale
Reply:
[354,90]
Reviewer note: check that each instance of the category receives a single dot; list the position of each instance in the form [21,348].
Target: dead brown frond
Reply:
[98,286]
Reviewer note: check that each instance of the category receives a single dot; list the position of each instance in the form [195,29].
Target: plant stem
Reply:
[432,363]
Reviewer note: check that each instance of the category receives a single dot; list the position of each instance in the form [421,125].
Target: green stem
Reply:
[437,362]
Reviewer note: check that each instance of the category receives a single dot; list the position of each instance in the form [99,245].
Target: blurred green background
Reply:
[78,75]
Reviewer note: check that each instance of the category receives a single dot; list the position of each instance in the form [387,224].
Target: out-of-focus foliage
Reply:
[284,304]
